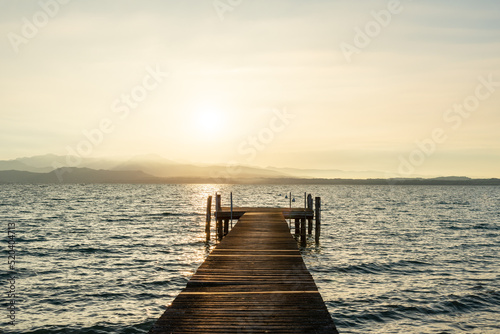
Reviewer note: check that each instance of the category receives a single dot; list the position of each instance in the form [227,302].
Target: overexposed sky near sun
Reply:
[231,71]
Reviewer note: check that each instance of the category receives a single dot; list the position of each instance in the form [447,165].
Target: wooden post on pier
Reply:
[317,214]
[217,202]
[309,220]
[231,209]
[218,224]
[209,217]
[220,232]
[297,226]
[226,226]
[303,236]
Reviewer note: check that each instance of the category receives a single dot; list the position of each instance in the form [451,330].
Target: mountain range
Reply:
[156,169]
[158,166]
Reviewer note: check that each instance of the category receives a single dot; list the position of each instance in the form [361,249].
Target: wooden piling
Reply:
[309,220]
[226,226]
[303,236]
[231,209]
[317,214]
[297,226]
[220,232]
[209,217]
[218,209]
[217,202]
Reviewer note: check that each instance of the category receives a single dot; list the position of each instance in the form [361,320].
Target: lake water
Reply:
[392,259]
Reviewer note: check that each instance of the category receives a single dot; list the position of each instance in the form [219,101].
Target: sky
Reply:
[402,87]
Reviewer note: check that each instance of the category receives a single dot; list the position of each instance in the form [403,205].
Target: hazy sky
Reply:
[309,84]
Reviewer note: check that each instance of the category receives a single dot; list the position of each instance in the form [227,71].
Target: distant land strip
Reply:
[86,175]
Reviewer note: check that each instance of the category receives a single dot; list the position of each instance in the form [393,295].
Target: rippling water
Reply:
[392,259]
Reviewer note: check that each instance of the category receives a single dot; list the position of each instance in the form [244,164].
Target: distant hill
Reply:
[159,166]
[156,169]
[21,166]
[154,165]
[77,175]
[440,181]
[169,169]
[86,175]
[50,162]
[328,173]
[452,178]
[18,176]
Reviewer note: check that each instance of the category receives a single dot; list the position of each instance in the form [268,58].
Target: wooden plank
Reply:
[254,281]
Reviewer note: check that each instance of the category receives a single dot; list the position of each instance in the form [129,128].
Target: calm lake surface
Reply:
[392,259]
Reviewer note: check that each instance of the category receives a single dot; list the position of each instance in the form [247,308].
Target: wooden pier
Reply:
[301,216]
[254,281]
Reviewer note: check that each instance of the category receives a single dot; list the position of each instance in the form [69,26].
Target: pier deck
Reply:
[254,281]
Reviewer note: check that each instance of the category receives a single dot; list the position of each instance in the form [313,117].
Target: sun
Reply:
[209,120]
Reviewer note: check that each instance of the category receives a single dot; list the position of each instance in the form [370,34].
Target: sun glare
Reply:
[209,120]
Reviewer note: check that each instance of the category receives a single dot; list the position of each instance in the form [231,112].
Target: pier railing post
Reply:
[303,236]
[217,202]
[231,209]
[218,224]
[309,220]
[209,217]
[317,214]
